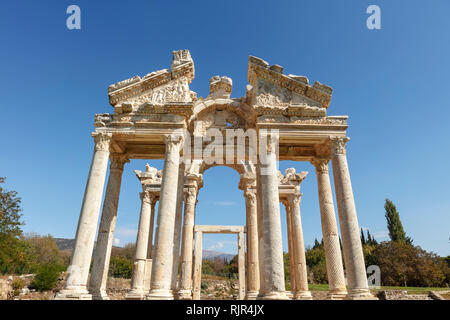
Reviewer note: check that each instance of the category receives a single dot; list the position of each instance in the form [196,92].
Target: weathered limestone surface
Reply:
[148,200]
[102,252]
[157,116]
[351,241]
[333,256]
[78,271]
[197,265]
[272,241]
[162,265]
[194,182]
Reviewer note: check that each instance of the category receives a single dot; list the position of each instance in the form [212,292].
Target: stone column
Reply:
[241,265]
[259,214]
[150,232]
[140,259]
[273,266]
[301,274]
[351,241]
[78,270]
[102,252]
[162,265]
[177,229]
[252,244]
[190,200]
[290,246]
[196,286]
[148,265]
[333,256]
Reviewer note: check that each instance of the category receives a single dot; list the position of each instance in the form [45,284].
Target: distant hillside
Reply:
[210,255]
[65,244]
[68,244]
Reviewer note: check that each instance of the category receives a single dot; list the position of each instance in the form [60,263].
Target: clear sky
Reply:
[393,84]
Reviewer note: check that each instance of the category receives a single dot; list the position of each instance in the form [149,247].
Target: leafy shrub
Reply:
[47,277]
[18,284]
[120,267]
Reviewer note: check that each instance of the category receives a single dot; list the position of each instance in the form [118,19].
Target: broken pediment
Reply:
[270,91]
[157,88]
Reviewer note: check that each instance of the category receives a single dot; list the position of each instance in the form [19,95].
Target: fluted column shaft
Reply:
[150,231]
[185,291]
[148,200]
[177,229]
[196,285]
[351,241]
[259,214]
[272,239]
[241,265]
[162,265]
[298,245]
[78,270]
[102,252]
[333,255]
[252,244]
[290,246]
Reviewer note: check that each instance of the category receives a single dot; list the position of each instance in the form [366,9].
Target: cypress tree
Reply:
[316,244]
[394,225]
[363,239]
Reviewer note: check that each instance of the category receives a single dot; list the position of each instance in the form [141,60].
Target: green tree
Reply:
[15,255]
[10,217]
[403,264]
[395,227]
[315,260]
[363,239]
[46,277]
[120,267]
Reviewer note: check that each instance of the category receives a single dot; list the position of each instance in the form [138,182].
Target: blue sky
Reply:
[393,83]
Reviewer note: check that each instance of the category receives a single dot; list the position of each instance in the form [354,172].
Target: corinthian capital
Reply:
[102,141]
[118,160]
[250,198]
[190,196]
[338,144]
[294,199]
[321,164]
[173,142]
[147,197]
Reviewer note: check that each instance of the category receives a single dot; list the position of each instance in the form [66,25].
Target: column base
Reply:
[184,295]
[275,295]
[101,295]
[159,294]
[73,294]
[360,294]
[252,295]
[302,295]
[337,295]
[135,295]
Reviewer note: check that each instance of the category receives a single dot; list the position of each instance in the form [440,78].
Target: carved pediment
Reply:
[272,92]
[157,88]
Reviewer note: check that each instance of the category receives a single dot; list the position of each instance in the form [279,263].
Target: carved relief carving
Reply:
[269,94]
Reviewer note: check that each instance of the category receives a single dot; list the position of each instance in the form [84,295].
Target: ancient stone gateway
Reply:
[281,117]
[197,275]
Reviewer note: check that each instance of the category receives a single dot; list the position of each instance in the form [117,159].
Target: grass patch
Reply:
[410,290]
